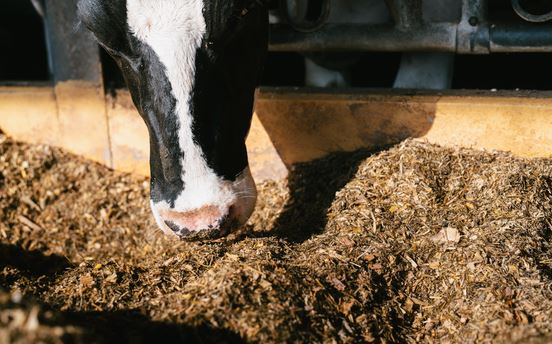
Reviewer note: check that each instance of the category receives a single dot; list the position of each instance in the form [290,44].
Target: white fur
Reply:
[160,223]
[174,29]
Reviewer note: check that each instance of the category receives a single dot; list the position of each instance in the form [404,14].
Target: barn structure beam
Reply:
[436,37]
[80,123]
[72,51]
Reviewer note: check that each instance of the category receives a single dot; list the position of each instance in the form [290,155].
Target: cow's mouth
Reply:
[226,226]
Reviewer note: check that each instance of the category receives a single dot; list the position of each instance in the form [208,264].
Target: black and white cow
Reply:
[192,67]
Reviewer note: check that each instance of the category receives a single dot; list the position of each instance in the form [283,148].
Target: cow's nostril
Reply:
[227,224]
[179,231]
[173,226]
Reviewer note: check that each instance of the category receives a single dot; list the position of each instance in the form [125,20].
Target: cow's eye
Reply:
[211,49]
[209,44]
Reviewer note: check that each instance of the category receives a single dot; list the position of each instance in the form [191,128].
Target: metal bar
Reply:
[521,38]
[406,13]
[438,37]
[345,37]
[73,54]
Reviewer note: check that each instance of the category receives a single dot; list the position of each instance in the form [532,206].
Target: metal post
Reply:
[473,35]
[72,51]
[406,13]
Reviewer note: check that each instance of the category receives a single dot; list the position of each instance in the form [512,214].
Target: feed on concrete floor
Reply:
[416,243]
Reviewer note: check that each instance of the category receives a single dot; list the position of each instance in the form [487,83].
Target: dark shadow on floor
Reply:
[110,327]
[132,327]
[32,263]
[312,188]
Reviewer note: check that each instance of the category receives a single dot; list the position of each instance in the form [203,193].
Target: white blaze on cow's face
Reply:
[175,30]
[192,67]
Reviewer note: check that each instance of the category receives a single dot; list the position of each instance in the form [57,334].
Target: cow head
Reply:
[191,67]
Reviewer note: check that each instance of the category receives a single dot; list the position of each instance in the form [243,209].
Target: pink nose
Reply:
[208,218]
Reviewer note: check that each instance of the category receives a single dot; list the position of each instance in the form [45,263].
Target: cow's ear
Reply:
[107,20]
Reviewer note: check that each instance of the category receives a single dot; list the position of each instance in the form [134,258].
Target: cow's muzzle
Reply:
[225,210]
[208,220]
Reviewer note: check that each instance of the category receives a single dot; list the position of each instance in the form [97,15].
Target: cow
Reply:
[192,67]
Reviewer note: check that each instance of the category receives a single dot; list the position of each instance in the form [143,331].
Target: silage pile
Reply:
[417,243]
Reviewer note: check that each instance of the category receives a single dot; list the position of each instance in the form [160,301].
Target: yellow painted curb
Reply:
[289,126]
[304,125]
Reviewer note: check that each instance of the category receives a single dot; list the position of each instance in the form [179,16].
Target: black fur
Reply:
[228,66]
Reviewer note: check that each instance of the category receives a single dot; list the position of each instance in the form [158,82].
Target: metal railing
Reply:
[473,34]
